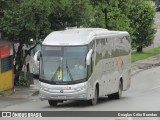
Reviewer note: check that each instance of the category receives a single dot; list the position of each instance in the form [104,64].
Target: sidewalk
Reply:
[145,64]
[21,92]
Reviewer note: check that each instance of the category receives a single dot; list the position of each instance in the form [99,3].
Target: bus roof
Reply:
[78,36]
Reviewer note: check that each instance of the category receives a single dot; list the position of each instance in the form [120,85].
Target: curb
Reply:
[23,96]
[23,92]
[142,66]
[35,93]
[8,92]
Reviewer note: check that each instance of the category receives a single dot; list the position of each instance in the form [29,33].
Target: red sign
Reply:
[4,51]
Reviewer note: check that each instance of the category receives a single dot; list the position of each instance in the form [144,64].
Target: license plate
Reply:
[61,97]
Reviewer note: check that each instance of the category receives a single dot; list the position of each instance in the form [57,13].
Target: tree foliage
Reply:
[134,16]
[142,20]
[24,20]
[69,13]
[112,14]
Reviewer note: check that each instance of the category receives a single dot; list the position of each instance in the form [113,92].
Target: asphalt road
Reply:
[143,95]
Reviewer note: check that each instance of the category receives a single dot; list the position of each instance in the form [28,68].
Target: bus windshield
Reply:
[62,64]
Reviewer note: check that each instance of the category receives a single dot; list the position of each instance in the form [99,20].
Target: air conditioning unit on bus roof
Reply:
[67,28]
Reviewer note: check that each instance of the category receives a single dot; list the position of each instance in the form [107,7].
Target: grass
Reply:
[145,54]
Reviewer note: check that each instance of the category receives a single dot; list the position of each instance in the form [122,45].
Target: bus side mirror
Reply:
[88,58]
[37,57]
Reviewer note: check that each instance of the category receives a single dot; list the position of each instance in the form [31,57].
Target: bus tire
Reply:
[111,96]
[118,94]
[52,102]
[95,99]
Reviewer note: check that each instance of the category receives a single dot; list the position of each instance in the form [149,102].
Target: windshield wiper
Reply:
[68,71]
[58,69]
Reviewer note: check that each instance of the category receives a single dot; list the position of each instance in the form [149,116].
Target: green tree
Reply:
[112,14]
[70,13]
[134,16]
[142,20]
[3,5]
[22,21]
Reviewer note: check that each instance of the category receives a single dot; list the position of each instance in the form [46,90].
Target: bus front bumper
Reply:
[79,95]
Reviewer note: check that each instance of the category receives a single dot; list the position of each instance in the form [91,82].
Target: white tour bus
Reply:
[84,64]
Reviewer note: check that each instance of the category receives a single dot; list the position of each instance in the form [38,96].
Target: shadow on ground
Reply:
[82,104]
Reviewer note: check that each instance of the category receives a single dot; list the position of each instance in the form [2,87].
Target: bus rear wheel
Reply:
[118,95]
[95,99]
[52,102]
[111,96]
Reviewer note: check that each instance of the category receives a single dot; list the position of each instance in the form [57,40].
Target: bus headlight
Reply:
[44,88]
[80,88]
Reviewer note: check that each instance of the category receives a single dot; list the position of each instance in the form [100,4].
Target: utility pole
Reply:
[106,19]
[106,10]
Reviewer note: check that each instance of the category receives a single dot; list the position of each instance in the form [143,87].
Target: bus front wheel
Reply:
[95,99]
[52,102]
